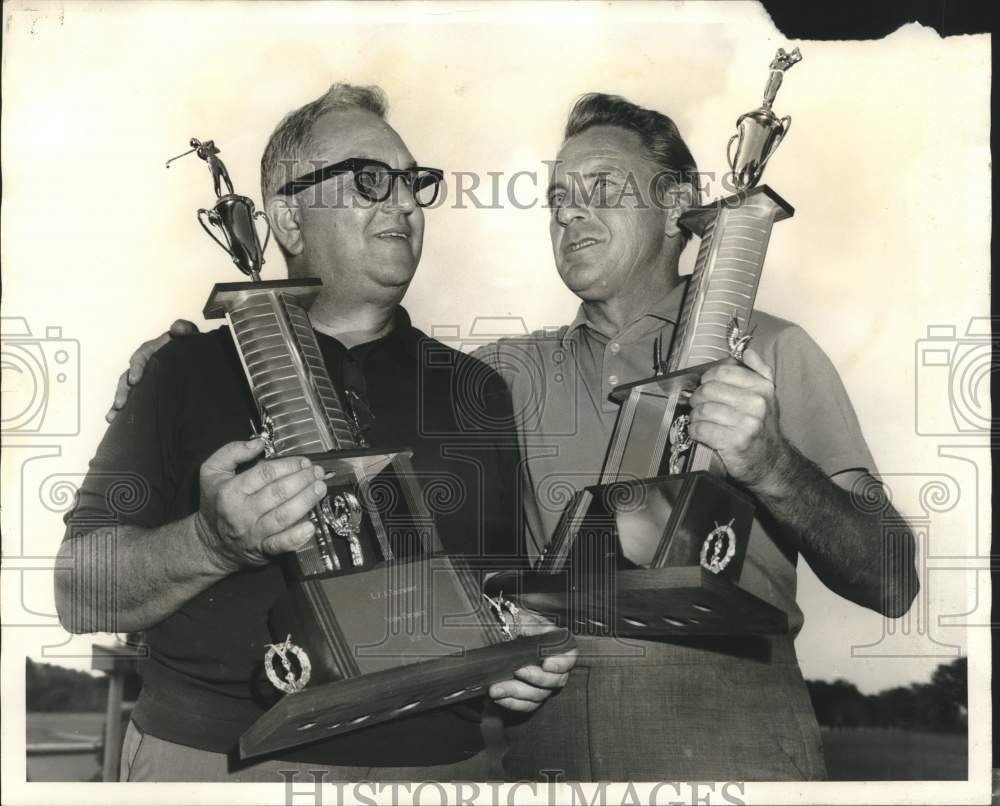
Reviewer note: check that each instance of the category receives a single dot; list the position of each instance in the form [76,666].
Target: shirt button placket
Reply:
[611,365]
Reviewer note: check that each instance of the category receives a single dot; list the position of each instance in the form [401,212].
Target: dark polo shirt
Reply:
[203,683]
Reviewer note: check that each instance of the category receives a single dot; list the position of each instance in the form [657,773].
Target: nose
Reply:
[400,196]
[570,210]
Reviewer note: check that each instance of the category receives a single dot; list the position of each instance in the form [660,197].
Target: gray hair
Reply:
[292,137]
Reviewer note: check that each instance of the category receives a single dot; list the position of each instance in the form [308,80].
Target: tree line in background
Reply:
[940,705]
[55,688]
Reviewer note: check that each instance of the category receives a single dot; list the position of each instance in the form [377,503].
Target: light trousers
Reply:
[148,758]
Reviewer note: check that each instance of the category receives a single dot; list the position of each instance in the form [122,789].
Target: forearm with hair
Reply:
[849,547]
[124,578]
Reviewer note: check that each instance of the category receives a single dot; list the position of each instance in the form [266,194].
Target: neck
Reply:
[610,316]
[355,324]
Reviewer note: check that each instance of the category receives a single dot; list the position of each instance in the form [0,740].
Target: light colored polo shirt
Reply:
[560,382]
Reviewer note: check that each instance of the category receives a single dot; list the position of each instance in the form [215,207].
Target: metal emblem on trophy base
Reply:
[362,636]
[657,547]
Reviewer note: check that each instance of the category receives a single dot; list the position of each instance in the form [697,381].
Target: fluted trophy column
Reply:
[298,411]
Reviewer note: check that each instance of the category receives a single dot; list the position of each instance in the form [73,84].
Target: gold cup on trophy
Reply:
[760,132]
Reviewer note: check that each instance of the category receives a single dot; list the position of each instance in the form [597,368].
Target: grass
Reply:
[64,727]
[889,754]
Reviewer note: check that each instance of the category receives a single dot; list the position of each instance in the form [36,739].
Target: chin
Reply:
[582,280]
[395,276]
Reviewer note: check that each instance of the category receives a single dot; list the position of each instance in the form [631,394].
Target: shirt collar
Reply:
[403,333]
[403,336]
[666,309]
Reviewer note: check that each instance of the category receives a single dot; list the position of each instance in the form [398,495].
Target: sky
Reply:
[885,262]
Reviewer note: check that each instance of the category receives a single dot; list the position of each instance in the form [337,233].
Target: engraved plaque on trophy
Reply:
[361,636]
[657,547]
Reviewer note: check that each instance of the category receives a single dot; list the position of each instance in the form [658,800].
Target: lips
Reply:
[394,234]
[578,245]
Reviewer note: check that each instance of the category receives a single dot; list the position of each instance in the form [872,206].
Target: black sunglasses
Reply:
[374,180]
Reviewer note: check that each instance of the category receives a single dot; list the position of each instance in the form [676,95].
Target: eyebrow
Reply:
[411,164]
[603,168]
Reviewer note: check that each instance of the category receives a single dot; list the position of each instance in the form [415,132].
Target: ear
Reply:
[283,215]
[676,200]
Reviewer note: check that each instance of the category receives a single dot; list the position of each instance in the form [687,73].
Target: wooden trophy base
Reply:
[646,603]
[636,559]
[387,641]
[339,707]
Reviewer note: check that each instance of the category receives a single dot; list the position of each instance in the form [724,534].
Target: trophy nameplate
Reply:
[377,622]
[657,548]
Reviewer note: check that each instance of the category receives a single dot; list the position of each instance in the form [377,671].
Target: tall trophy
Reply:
[657,547]
[361,636]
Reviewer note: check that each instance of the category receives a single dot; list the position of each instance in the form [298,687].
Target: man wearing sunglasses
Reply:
[189,558]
